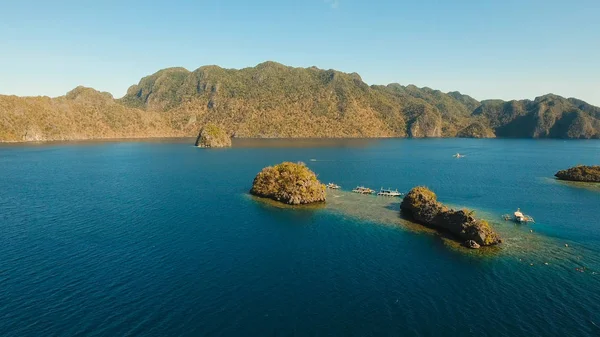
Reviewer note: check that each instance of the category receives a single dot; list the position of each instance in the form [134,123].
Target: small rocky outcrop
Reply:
[472,244]
[212,135]
[421,205]
[590,174]
[290,183]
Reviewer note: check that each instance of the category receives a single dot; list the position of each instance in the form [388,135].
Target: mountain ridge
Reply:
[278,101]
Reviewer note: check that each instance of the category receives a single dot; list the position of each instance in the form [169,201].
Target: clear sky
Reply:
[509,49]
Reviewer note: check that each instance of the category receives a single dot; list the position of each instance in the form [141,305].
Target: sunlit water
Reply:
[161,238]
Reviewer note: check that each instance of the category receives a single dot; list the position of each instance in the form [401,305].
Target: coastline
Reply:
[261,138]
[149,139]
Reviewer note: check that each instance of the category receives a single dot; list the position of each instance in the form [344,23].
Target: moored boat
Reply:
[363,190]
[518,217]
[333,186]
[389,193]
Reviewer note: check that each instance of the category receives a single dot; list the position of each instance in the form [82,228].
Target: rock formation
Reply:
[213,136]
[472,244]
[421,205]
[580,173]
[427,124]
[290,183]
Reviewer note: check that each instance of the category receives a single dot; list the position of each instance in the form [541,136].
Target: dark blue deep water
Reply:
[160,238]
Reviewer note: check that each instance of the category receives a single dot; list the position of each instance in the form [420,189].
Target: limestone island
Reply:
[421,205]
[290,183]
[588,174]
[212,136]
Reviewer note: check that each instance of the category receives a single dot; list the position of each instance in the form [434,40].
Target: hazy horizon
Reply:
[507,50]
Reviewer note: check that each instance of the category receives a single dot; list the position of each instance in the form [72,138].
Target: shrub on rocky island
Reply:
[290,183]
[212,135]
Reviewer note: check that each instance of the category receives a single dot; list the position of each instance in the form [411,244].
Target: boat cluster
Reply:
[517,216]
[382,192]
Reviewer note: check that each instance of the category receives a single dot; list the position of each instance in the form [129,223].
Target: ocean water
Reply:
[161,238]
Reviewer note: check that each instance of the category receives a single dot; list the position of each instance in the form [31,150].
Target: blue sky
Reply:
[488,49]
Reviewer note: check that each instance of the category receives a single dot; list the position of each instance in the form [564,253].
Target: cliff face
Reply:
[421,205]
[580,173]
[426,124]
[273,100]
[290,183]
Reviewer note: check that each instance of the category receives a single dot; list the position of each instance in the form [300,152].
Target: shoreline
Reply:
[234,139]
[149,139]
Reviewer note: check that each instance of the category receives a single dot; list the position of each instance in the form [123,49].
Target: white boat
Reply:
[458,155]
[333,186]
[518,217]
[389,193]
[363,190]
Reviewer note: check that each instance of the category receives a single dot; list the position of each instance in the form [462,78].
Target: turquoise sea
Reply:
[159,238]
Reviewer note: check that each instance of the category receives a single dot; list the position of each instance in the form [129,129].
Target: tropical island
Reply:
[590,174]
[212,136]
[295,184]
[289,183]
[421,205]
[272,100]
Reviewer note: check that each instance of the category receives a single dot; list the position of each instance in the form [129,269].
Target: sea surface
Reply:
[159,238]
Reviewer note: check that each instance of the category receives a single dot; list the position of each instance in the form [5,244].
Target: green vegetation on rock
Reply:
[212,136]
[274,100]
[290,183]
[421,205]
[83,113]
[476,130]
[580,173]
[549,116]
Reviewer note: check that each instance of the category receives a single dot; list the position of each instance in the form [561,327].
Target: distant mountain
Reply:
[83,113]
[273,100]
[548,116]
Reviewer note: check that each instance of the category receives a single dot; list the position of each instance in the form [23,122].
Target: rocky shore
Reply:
[421,205]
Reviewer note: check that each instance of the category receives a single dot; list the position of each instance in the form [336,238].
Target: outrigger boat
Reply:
[363,190]
[388,193]
[333,186]
[518,217]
